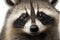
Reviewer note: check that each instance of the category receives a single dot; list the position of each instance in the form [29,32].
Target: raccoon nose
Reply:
[34,28]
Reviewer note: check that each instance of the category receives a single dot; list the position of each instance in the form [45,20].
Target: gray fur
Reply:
[18,34]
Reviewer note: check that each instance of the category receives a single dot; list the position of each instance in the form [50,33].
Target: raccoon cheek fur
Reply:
[31,20]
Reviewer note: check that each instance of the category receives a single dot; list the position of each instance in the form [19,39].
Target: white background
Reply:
[4,8]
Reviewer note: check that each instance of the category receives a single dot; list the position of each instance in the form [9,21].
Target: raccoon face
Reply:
[32,17]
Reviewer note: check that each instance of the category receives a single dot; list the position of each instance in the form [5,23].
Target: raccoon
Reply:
[31,20]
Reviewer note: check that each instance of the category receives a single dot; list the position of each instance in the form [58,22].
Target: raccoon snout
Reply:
[34,28]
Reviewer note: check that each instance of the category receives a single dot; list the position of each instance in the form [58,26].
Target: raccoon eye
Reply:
[45,19]
[24,16]
[21,20]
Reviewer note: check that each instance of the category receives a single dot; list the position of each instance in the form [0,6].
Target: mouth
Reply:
[34,34]
[37,34]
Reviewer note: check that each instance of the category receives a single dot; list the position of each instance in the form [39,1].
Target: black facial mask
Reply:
[20,22]
[45,19]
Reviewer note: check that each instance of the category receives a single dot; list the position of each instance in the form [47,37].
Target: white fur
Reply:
[50,1]
[40,26]
[38,23]
[27,27]
[49,12]
[16,15]
[10,20]
[28,10]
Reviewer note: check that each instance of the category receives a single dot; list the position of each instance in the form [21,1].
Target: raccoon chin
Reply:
[35,34]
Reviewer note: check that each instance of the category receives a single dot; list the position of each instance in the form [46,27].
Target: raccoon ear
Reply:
[53,2]
[12,2]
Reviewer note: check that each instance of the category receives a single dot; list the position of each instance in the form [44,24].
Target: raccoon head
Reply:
[32,16]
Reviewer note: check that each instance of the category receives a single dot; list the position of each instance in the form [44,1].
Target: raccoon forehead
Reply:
[52,13]
[15,15]
[41,6]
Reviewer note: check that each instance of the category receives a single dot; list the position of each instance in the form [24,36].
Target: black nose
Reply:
[34,28]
